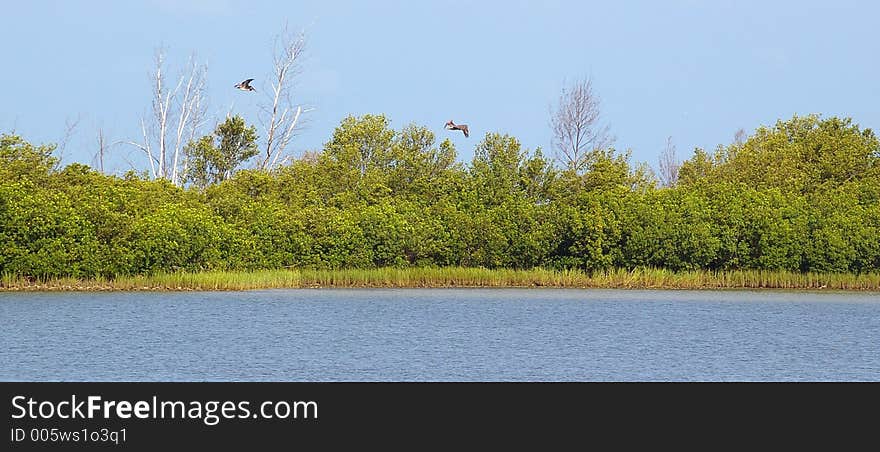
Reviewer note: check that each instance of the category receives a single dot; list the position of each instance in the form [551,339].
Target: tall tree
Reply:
[575,122]
[669,165]
[282,118]
[417,163]
[102,150]
[178,113]
[502,170]
[214,158]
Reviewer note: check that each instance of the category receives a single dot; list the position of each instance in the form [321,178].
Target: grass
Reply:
[646,278]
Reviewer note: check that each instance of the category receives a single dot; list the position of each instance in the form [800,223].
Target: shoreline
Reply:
[454,277]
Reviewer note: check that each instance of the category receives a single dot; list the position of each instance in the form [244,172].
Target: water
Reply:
[440,335]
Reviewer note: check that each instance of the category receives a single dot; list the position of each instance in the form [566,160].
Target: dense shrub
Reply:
[803,195]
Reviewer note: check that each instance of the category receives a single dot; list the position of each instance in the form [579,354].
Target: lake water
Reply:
[440,335]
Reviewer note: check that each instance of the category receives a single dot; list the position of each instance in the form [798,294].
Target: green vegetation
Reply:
[430,277]
[213,158]
[796,205]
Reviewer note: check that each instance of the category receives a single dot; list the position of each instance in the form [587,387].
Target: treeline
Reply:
[802,195]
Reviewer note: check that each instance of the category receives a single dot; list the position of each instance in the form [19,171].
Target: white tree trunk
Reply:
[283,117]
[183,111]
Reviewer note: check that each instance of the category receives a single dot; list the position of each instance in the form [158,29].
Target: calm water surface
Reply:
[440,335]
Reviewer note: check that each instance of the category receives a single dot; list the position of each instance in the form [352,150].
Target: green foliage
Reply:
[213,158]
[802,196]
[801,155]
[417,165]
[177,237]
[501,171]
[22,160]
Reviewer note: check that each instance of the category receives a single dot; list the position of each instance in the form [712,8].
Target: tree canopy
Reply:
[802,195]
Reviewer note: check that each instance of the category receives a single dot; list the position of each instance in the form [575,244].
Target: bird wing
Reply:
[247,81]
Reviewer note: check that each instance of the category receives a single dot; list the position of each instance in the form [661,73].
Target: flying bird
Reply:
[453,126]
[246,85]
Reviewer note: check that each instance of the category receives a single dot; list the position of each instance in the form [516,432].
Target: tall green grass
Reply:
[643,278]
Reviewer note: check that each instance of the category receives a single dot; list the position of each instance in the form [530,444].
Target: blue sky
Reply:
[693,70]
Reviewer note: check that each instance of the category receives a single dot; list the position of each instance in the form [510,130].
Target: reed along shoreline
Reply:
[455,277]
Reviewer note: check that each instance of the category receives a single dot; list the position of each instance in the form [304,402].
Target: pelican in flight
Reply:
[453,126]
[246,85]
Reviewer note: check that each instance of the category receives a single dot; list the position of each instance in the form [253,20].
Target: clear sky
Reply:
[693,70]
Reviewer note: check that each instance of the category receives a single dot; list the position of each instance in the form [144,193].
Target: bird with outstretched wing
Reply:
[453,126]
[245,85]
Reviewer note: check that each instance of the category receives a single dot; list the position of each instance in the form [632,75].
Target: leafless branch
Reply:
[102,147]
[283,117]
[669,165]
[191,113]
[177,115]
[130,163]
[575,124]
[145,148]
[739,138]
[70,126]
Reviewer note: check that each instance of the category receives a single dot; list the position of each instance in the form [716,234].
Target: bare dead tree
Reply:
[70,126]
[178,112]
[102,150]
[192,114]
[282,119]
[669,165]
[575,125]
[739,138]
[161,109]
[104,146]
[161,103]
[146,148]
